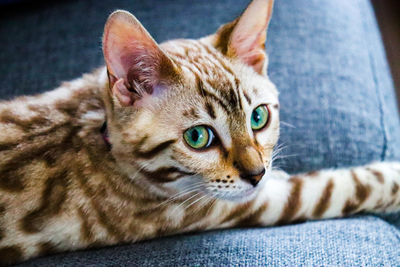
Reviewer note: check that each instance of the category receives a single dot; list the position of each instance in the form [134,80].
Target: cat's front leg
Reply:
[319,195]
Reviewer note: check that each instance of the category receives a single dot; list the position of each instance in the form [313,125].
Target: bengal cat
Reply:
[165,139]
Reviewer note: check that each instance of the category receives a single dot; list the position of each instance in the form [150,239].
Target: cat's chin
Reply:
[240,197]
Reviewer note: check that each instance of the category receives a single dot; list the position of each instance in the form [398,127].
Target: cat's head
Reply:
[192,115]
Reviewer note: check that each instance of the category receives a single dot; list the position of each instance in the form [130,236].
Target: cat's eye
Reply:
[259,117]
[199,137]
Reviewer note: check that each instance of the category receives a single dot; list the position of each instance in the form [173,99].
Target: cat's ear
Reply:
[136,64]
[245,37]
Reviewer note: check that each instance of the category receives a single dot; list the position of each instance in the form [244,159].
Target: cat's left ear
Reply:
[245,37]
[136,64]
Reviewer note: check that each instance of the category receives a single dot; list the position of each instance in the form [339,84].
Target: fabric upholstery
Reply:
[366,241]
[327,59]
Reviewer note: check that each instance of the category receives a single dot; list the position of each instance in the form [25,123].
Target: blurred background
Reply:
[388,15]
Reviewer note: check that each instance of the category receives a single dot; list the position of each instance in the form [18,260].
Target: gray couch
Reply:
[327,59]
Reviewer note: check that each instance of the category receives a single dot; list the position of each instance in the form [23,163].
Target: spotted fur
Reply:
[64,187]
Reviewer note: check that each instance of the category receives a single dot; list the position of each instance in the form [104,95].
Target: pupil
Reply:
[195,135]
[256,116]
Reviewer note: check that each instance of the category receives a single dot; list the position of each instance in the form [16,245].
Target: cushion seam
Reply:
[377,89]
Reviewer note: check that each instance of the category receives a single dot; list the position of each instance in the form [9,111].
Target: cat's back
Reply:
[42,140]
[37,132]
[27,117]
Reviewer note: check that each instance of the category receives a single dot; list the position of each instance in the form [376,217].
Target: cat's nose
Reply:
[253,177]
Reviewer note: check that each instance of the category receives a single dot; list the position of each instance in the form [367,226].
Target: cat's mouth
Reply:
[241,194]
[237,191]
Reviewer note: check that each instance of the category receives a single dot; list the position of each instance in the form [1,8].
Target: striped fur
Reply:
[63,188]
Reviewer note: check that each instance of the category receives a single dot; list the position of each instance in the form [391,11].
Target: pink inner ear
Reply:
[247,41]
[256,60]
[143,69]
[147,99]
[122,93]
[126,45]
[133,57]
[250,50]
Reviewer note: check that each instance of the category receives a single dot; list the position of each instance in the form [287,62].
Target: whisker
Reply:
[212,205]
[208,199]
[276,168]
[186,191]
[181,204]
[194,202]
[277,151]
[283,123]
[187,188]
[280,147]
[139,170]
[285,156]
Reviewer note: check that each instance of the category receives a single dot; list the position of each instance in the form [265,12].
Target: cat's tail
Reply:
[324,194]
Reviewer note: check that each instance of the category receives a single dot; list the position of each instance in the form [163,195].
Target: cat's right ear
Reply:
[244,38]
[136,64]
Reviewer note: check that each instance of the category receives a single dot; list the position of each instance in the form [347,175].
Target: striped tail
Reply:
[321,194]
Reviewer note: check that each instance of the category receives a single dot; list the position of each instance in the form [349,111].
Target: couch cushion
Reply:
[327,59]
[366,241]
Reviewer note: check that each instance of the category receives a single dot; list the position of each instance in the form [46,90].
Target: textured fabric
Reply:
[346,242]
[328,62]
[326,57]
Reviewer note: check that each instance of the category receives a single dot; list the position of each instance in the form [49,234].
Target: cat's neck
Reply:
[89,116]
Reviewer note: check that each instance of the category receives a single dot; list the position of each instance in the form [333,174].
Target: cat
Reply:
[164,139]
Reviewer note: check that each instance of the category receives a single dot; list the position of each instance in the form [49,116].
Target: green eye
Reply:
[199,137]
[259,117]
